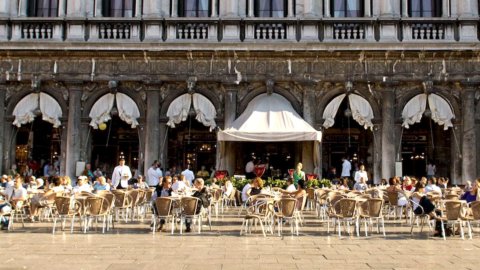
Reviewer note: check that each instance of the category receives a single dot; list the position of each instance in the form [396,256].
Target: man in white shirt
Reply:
[361,173]
[432,186]
[346,168]
[18,194]
[178,185]
[290,185]
[153,175]
[189,176]
[82,185]
[121,174]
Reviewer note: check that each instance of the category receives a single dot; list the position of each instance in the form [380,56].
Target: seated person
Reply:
[140,183]
[472,195]
[420,198]
[257,186]
[245,191]
[298,194]
[82,185]
[360,185]
[42,200]
[227,189]
[16,198]
[163,190]
[203,173]
[432,186]
[290,185]
[178,185]
[344,185]
[101,184]
[201,194]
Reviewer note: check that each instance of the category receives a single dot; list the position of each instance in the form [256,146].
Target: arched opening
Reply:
[347,134]
[38,134]
[114,132]
[426,135]
[191,140]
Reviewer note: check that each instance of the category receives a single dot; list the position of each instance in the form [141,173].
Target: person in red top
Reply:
[407,184]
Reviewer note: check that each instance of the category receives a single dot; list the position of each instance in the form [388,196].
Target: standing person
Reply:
[361,173]
[298,174]
[431,170]
[121,174]
[203,173]
[346,168]
[249,167]
[153,174]
[189,176]
[88,172]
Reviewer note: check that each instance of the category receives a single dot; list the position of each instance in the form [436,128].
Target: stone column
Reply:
[388,133]
[5,9]
[389,28]
[469,142]
[290,12]
[214,9]
[312,8]
[3,90]
[230,111]
[174,9]
[309,116]
[326,4]
[250,9]
[467,12]
[446,7]
[141,148]
[98,9]
[152,128]
[456,156]
[377,153]
[86,139]
[163,138]
[62,6]
[154,8]
[367,8]
[388,8]
[72,150]
[22,9]
[8,144]
[62,156]
[138,8]
[404,8]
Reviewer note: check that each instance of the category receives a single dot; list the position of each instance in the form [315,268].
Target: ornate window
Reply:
[425,8]
[118,8]
[347,8]
[194,8]
[270,8]
[42,8]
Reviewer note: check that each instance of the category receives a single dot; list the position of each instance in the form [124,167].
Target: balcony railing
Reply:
[327,30]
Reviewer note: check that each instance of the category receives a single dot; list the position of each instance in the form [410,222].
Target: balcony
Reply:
[352,29]
[202,29]
[49,29]
[113,29]
[270,29]
[428,29]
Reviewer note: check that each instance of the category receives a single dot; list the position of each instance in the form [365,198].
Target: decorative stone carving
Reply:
[269,84]
[16,88]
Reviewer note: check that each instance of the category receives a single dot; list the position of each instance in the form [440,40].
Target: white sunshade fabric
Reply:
[49,107]
[204,109]
[362,112]
[269,118]
[127,110]
[442,113]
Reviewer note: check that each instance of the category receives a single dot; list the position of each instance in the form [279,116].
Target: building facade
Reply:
[392,84]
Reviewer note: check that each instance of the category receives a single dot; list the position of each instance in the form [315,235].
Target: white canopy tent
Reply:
[204,109]
[442,113]
[362,112]
[24,111]
[127,110]
[268,118]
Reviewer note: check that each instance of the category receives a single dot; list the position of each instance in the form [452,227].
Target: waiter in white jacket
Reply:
[361,174]
[121,175]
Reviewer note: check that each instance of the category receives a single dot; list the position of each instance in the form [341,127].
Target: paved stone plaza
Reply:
[132,246]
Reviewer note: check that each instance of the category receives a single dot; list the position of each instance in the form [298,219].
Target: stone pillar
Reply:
[326,10]
[388,133]
[214,9]
[8,144]
[90,9]
[377,153]
[155,8]
[5,9]
[22,9]
[446,7]
[307,156]
[174,9]
[404,8]
[72,150]
[456,156]
[312,8]
[86,139]
[3,91]
[230,111]
[290,12]
[163,144]
[367,8]
[152,128]
[469,142]
[141,149]
[467,12]
[62,6]
[98,9]
[62,157]
[138,8]
[250,9]
[388,8]
[309,116]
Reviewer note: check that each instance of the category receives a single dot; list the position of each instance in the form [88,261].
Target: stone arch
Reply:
[211,95]
[297,106]
[97,93]
[338,90]
[57,95]
[416,90]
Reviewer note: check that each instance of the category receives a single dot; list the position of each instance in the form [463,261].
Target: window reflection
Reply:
[42,8]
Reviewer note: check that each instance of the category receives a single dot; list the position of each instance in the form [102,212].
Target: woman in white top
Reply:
[228,189]
[40,201]
[361,173]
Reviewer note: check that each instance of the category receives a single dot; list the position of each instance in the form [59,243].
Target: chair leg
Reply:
[54,224]
[443,230]
[383,227]
[461,231]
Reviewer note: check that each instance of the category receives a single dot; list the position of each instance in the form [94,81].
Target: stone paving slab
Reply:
[133,246]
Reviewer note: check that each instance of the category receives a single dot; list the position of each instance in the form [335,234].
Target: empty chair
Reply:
[66,207]
[371,210]
[286,212]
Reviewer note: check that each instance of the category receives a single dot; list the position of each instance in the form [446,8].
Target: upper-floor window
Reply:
[270,8]
[194,8]
[42,8]
[347,8]
[425,8]
[118,8]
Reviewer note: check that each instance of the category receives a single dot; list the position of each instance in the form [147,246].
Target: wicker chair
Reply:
[393,205]
[371,210]
[475,213]
[110,198]
[189,211]
[311,199]
[123,203]
[260,211]
[286,211]
[421,215]
[164,211]
[96,207]
[321,204]
[347,212]
[66,208]
[453,214]
[217,200]
[8,215]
